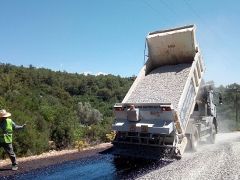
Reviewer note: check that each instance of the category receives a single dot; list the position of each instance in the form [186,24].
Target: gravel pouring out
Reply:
[164,84]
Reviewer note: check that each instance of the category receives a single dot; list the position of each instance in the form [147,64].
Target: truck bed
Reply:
[172,73]
[164,84]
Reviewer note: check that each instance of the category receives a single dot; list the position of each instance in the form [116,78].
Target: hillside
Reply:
[58,106]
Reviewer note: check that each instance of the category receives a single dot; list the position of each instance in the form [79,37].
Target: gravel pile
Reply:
[162,85]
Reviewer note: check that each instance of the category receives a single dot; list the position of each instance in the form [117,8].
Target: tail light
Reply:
[166,108]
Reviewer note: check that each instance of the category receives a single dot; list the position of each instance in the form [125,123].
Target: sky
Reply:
[108,36]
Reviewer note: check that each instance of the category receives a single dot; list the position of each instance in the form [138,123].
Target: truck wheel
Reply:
[194,140]
[211,139]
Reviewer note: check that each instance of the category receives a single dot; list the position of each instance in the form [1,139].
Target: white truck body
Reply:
[164,95]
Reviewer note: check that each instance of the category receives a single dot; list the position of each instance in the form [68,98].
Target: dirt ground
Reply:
[27,164]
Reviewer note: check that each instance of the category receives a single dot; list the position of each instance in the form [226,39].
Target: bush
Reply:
[111,136]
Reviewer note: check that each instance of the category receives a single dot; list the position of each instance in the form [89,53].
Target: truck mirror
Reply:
[220,99]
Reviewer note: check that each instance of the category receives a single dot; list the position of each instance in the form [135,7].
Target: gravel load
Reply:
[162,85]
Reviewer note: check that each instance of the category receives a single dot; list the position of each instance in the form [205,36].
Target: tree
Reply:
[88,115]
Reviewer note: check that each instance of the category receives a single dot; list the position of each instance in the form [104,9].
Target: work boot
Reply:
[15,167]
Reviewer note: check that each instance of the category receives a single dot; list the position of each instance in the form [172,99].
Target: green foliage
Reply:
[58,106]
[228,112]
[88,115]
[80,145]
[111,136]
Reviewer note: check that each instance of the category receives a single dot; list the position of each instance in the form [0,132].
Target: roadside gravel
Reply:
[215,161]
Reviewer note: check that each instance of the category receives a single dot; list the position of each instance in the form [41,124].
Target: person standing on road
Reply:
[6,129]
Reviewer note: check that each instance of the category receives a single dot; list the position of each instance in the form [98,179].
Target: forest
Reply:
[58,106]
[65,108]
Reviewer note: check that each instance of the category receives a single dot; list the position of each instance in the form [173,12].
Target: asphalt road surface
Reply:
[212,161]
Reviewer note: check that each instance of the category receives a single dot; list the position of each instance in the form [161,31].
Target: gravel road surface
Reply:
[215,161]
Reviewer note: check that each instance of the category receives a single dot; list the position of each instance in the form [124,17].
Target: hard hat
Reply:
[4,113]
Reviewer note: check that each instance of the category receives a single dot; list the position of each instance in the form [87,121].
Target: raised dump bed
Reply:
[172,46]
[172,74]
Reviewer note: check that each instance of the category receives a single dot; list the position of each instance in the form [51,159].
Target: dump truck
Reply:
[168,107]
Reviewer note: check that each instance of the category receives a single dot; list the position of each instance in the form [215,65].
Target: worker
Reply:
[6,129]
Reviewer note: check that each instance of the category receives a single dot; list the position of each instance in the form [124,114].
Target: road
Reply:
[212,161]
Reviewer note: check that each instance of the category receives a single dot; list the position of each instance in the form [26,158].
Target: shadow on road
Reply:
[129,168]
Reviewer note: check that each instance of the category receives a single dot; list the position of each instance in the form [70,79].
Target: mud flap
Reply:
[178,151]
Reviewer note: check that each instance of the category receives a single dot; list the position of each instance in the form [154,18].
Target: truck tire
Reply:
[212,137]
[194,138]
